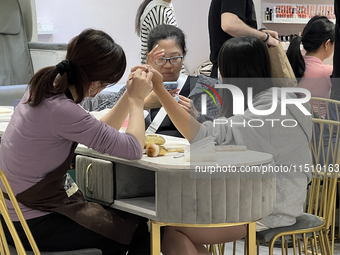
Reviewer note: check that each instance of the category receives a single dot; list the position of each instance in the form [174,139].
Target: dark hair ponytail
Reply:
[91,56]
[140,11]
[295,57]
[41,85]
[318,30]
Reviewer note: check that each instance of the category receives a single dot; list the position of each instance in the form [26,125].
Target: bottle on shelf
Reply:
[284,11]
[274,13]
[312,11]
[331,11]
[294,13]
[278,12]
[266,14]
[291,13]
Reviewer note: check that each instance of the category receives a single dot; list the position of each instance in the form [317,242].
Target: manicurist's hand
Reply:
[139,83]
[139,86]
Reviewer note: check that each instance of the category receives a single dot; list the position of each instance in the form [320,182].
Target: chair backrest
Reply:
[324,148]
[330,106]
[29,14]
[5,187]
[15,59]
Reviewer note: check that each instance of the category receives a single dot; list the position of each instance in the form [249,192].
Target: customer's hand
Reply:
[153,55]
[188,105]
[157,78]
[139,82]
[151,101]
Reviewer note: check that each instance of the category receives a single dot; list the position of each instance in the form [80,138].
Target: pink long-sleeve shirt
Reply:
[38,139]
[317,79]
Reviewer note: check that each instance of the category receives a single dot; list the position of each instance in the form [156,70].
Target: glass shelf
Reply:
[289,21]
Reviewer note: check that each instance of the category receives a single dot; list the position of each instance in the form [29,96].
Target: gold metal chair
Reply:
[331,107]
[312,228]
[4,248]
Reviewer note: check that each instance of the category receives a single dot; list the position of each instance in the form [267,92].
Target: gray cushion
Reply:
[10,22]
[75,252]
[304,221]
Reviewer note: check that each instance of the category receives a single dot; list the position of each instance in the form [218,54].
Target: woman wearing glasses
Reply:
[167,50]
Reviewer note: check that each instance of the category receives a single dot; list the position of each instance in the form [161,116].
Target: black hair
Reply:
[163,32]
[318,30]
[140,11]
[240,58]
[91,56]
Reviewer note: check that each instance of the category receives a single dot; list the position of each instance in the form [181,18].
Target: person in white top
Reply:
[246,58]
[150,14]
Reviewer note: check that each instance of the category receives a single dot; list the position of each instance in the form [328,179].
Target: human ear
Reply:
[327,44]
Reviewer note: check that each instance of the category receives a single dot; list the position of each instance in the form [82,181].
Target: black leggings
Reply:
[55,232]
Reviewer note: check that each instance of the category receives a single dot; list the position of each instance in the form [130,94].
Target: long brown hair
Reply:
[140,11]
[91,56]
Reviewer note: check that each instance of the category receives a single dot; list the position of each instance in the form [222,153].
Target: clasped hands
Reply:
[144,80]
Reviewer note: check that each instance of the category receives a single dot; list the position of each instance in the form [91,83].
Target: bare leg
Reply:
[176,243]
[189,241]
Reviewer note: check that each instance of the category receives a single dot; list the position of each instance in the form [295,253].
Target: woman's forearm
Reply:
[136,126]
[184,122]
[117,115]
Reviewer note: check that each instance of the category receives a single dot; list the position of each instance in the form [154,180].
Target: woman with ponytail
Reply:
[41,137]
[318,40]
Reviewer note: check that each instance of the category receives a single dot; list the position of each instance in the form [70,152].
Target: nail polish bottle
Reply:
[308,11]
[298,11]
[312,11]
[284,11]
[278,12]
[332,12]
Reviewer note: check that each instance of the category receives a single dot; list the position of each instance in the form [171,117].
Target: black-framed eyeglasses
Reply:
[173,60]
